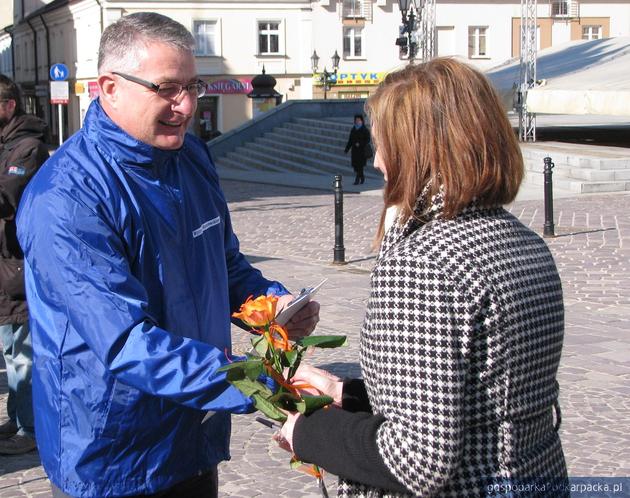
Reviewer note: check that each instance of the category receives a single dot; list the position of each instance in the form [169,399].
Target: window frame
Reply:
[356,13]
[557,10]
[217,35]
[591,27]
[474,53]
[353,55]
[280,34]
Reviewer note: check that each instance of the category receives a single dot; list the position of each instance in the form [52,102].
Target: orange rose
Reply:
[258,312]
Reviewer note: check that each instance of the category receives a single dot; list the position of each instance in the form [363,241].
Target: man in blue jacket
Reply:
[132,272]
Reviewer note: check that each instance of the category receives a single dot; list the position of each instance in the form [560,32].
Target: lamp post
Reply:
[325,77]
[409,13]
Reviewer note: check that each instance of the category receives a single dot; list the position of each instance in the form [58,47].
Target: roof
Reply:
[583,77]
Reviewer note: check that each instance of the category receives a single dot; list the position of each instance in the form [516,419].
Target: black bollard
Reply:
[548,230]
[339,257]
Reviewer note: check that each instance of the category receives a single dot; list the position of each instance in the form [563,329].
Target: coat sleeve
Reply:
[418,431]
[17,172]
[349,144]
[78,263]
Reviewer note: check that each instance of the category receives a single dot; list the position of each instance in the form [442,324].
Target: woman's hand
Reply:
[284,438]
[324,382]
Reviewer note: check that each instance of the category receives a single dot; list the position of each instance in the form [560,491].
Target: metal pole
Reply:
[60,124]
[339,257]
[548,230]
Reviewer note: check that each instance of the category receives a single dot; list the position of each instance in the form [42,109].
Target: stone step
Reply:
[305,143]
[338,141]
[581,187]
[298,153]
[249,156]
[578,157]
[316,133]
[338,126]
[584,174]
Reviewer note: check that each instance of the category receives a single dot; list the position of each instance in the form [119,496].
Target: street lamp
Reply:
[409,13]
[325,78]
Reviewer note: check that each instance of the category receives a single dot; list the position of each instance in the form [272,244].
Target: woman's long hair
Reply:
[440,125]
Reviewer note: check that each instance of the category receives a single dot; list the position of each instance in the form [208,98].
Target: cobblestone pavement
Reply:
[288,233]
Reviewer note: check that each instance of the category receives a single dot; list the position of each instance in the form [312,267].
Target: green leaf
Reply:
[323,341]
[251,387]
[263,404]
[251,369]
[311,403]
[289,358]
[260,345]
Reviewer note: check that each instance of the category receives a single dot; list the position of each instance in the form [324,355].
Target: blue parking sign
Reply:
[59,72]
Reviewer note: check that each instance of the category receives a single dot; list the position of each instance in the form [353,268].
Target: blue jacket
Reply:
[132,272]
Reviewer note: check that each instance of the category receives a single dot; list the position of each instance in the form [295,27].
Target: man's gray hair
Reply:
[123,41]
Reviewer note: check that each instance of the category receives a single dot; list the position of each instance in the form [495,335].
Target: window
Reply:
[591,32]
[352,8]
[477,41]
[268,37]
[205,33]
[560,8]
[352,46]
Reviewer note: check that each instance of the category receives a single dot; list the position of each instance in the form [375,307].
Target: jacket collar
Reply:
[114,141]
[428,209]
[23,125]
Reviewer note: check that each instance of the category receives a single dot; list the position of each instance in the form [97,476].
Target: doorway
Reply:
[206,122]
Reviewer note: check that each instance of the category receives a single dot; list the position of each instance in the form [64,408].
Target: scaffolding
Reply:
[527,73]
[426,30]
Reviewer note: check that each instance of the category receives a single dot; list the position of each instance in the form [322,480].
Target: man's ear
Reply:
[108,88]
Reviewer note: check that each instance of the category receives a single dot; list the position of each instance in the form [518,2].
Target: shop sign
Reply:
[230,86]
[93,90]
[59,92]
[359,78]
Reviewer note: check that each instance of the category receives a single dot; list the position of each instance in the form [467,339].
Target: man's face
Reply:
[7,111]
[144,114]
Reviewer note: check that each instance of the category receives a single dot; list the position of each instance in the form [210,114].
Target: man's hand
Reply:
[304,321]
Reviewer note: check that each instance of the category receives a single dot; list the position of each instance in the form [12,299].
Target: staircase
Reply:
[303,152]
[579,168]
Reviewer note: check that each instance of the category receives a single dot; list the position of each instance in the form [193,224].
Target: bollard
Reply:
[339,257]
[548,230]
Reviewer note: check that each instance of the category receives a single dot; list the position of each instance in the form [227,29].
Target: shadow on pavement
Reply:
[258,259]
[343,368]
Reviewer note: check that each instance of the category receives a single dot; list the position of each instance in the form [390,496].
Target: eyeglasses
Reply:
[168,90]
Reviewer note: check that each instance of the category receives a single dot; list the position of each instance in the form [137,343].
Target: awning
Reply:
[584,77]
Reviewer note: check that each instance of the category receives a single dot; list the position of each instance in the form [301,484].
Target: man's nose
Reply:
[186,103]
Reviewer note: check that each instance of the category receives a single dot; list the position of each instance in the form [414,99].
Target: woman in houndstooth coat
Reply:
[464,325]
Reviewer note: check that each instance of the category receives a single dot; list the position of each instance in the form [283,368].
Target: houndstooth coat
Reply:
[459,351]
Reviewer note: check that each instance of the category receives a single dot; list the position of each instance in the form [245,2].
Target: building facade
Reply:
[235,40]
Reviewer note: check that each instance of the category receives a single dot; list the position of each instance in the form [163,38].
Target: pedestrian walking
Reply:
[22,152]
[465,322]
[132,273]
[359,145]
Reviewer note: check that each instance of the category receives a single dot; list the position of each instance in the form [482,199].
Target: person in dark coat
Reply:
[22,152]
[358,141]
